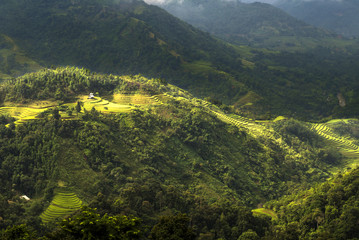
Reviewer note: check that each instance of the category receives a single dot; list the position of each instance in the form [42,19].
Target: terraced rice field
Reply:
[3,111]
[105,106]
[123,103]
[239,121]
[347,147]
[22,114]
[326,132]
[136,99]
[156,99]
[256,130]
[266,212]
[64,203]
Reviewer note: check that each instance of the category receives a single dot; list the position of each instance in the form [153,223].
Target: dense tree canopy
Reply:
[157,160]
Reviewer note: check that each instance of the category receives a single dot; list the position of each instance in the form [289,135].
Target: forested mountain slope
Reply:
[13,61]
[126,36]
[327,211]
[146,148]
[132,37]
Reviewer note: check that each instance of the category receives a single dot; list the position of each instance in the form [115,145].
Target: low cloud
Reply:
[263,1]
[160,2]
[155,1]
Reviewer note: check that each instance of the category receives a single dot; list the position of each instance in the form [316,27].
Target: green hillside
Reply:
[169,152]
[13,61]
[123,37]
[131,37]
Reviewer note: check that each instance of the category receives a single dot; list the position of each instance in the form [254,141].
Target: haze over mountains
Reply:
[340,16]
[256,24]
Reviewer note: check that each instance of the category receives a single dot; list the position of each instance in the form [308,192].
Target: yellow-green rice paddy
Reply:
[121,103]
[266,212]
[64,203]
[346,146]
[22,114]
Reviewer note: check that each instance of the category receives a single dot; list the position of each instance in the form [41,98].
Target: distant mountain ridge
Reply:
[13,60]
[240,22]
[339,16]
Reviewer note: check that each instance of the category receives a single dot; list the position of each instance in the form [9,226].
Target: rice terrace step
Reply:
[64,203]
[326,132]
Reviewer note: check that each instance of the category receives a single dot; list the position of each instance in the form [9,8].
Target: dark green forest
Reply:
[328,211]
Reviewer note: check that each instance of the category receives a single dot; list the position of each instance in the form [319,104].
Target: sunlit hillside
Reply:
[128,144]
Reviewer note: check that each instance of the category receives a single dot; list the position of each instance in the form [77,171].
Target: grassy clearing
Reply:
[200,67]
[136,99]
[74,170]
[64,203]
[266,212]
[247,100]
[295,44]
[279,118]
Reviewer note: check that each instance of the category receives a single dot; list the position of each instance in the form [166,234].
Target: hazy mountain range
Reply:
[258,24]
[340,16]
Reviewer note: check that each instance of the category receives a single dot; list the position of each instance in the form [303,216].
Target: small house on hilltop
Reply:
[91,96]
